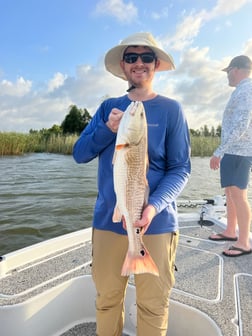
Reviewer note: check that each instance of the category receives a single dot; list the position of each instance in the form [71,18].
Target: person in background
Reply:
[135,60]
[234,156]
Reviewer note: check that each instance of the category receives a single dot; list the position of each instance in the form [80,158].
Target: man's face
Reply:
[140,71]
[231,74]
[235,75]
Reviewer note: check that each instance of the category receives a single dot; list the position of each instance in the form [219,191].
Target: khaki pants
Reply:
[152,292]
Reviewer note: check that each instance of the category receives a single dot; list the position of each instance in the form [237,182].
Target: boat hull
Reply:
[60,308]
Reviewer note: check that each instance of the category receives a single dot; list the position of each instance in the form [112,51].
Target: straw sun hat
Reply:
[115,55]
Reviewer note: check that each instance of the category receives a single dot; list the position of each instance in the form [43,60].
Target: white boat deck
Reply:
[217,285]
[212,295]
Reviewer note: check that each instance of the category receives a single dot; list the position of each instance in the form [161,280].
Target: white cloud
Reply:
[186,32]
[34,111]
[197,82]
[248,48]
[124,13]
[160,14]
[56,81]
[200,87]
[226,7]
[19,89]
[188,29]
[44,108]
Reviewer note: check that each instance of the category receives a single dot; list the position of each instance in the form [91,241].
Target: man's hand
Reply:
[147,216]
[215,162]
[114,119]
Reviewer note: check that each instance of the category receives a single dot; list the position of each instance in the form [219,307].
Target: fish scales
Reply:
[131,186]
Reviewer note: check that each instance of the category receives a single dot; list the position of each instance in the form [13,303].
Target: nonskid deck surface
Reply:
[217,285]
[87,329]
[35,277]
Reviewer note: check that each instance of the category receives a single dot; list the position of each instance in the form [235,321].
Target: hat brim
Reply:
[114,56]
[226,69]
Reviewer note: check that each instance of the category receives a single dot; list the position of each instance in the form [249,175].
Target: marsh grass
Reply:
[13,143]
[204,146]
[60,144]
[20,143]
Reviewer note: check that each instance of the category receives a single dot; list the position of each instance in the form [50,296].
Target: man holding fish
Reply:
[142,143]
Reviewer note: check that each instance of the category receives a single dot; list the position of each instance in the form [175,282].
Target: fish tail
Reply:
[138,264]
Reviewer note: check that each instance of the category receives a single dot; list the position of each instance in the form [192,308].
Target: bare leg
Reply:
[230,230]
[231,214]
[240,198]
[243,213]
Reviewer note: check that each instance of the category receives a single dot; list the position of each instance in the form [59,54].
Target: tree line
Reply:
[206,132]
[61,138]
[74,123]
[77,119]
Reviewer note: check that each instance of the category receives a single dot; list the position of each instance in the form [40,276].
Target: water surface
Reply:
[46,195]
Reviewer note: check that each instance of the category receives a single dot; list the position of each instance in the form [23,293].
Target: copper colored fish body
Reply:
[131,186]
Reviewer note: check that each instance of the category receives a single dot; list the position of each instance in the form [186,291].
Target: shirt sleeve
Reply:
[238,124]
[94,139]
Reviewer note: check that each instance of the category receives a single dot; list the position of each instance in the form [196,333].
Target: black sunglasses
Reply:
[146,57]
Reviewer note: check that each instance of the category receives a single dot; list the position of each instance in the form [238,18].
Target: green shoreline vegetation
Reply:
[60,139]
[12,143]
[19,143]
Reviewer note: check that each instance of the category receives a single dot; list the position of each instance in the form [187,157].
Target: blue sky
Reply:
[52,52]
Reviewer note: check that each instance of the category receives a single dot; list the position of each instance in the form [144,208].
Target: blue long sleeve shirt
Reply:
[169,160]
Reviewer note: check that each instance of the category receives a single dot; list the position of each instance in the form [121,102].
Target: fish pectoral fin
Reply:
[138,264]
[121,146]
[117,216]
[118,148]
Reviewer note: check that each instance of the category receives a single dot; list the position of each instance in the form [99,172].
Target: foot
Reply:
[221,237]
[234,251]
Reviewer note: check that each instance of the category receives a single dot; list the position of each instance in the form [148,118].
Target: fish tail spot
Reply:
[138,230]
[142,252]
[139,264]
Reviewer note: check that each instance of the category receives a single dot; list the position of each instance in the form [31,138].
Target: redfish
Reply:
[130,164]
